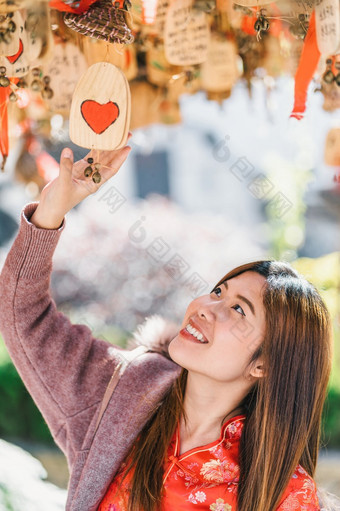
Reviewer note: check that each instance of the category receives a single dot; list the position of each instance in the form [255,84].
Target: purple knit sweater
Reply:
[66,370]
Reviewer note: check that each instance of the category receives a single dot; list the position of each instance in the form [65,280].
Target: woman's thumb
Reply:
[66,162]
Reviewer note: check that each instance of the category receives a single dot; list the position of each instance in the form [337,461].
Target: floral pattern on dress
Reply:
[220,505]
[220,471]
[206,478]
[303,495]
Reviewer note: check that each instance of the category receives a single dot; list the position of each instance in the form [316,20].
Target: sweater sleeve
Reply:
[64,368]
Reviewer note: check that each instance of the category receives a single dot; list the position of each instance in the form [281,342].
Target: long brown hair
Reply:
[283,409]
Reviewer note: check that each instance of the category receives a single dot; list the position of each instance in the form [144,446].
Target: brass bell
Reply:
[96,178]
[88,171]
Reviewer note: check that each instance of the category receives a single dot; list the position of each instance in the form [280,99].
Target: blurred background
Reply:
[219,174]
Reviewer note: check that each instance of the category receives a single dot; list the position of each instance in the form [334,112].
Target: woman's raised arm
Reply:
[64,368]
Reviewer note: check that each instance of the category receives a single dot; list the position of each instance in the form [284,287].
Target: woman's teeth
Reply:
[195,333]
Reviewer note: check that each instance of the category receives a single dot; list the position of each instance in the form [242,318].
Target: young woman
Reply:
[222,413]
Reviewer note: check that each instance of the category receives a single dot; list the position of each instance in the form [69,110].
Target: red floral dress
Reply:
[206,478]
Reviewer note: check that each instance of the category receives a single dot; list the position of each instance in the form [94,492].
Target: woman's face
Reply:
[225,328]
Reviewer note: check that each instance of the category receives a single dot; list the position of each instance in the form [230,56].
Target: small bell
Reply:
[96,178]
[4,81]
[22,84]
[13,97]
[88,171]
[36,85]
[47,93]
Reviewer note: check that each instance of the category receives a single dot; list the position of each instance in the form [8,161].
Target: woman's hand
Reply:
[71,186]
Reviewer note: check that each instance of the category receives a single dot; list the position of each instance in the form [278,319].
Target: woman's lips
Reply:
[190,337]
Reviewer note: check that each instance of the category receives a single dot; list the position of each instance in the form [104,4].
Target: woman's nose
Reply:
[212,311]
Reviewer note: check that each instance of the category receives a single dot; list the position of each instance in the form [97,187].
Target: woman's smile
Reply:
[192,334]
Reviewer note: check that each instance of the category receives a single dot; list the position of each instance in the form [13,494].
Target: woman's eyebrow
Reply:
[248,302]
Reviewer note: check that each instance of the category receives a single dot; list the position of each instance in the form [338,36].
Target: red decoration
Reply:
[309,60]
[99,117]
[4,94]
[77,7]
[13,58]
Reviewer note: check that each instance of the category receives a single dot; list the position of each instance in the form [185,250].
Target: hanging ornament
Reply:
[65,68]
[207,6]
[309,59]
[102,21]
[187,33]
[299,26]
[158,70]
[261,24]
[100,110]
[160,16]
[74,6]
[9,33]
[222,69]
[39,35]
[327,21]
[12,5]
[332,73]
[41,83]
[5,91]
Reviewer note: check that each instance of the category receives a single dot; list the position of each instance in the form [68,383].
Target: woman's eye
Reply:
[217,290]
[239,306]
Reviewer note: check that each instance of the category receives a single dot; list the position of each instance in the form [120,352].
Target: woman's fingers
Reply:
[66,164]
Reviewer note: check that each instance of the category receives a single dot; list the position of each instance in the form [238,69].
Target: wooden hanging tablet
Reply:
[221,70]
[101,108]
[39,33]
[186,34]
[160,18]
[12,5]
[65,68]
[17,64]
[11,47]
[327,23]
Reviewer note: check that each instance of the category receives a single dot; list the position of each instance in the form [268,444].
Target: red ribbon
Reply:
[4,94]
[77,7]
[309,60]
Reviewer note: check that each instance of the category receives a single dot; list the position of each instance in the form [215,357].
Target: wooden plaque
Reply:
[327,21]
[101,108]
[12,47]
[17,63]
[186,35]
[220,71]
[161,13]
[65,68]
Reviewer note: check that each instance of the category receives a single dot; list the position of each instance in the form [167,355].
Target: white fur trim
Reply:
[155,333]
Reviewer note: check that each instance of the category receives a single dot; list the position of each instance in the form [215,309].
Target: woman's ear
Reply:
[257,369]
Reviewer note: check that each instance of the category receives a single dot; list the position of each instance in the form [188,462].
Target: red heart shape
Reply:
[13,58]
[99,117]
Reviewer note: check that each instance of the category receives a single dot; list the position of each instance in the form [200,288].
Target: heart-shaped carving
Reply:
[13,58]
[99,117]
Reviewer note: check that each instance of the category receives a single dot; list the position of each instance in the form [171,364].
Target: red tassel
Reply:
[69,6]
[309,60]
[4,94]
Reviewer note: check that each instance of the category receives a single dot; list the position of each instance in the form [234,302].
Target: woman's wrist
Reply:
[46,220]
